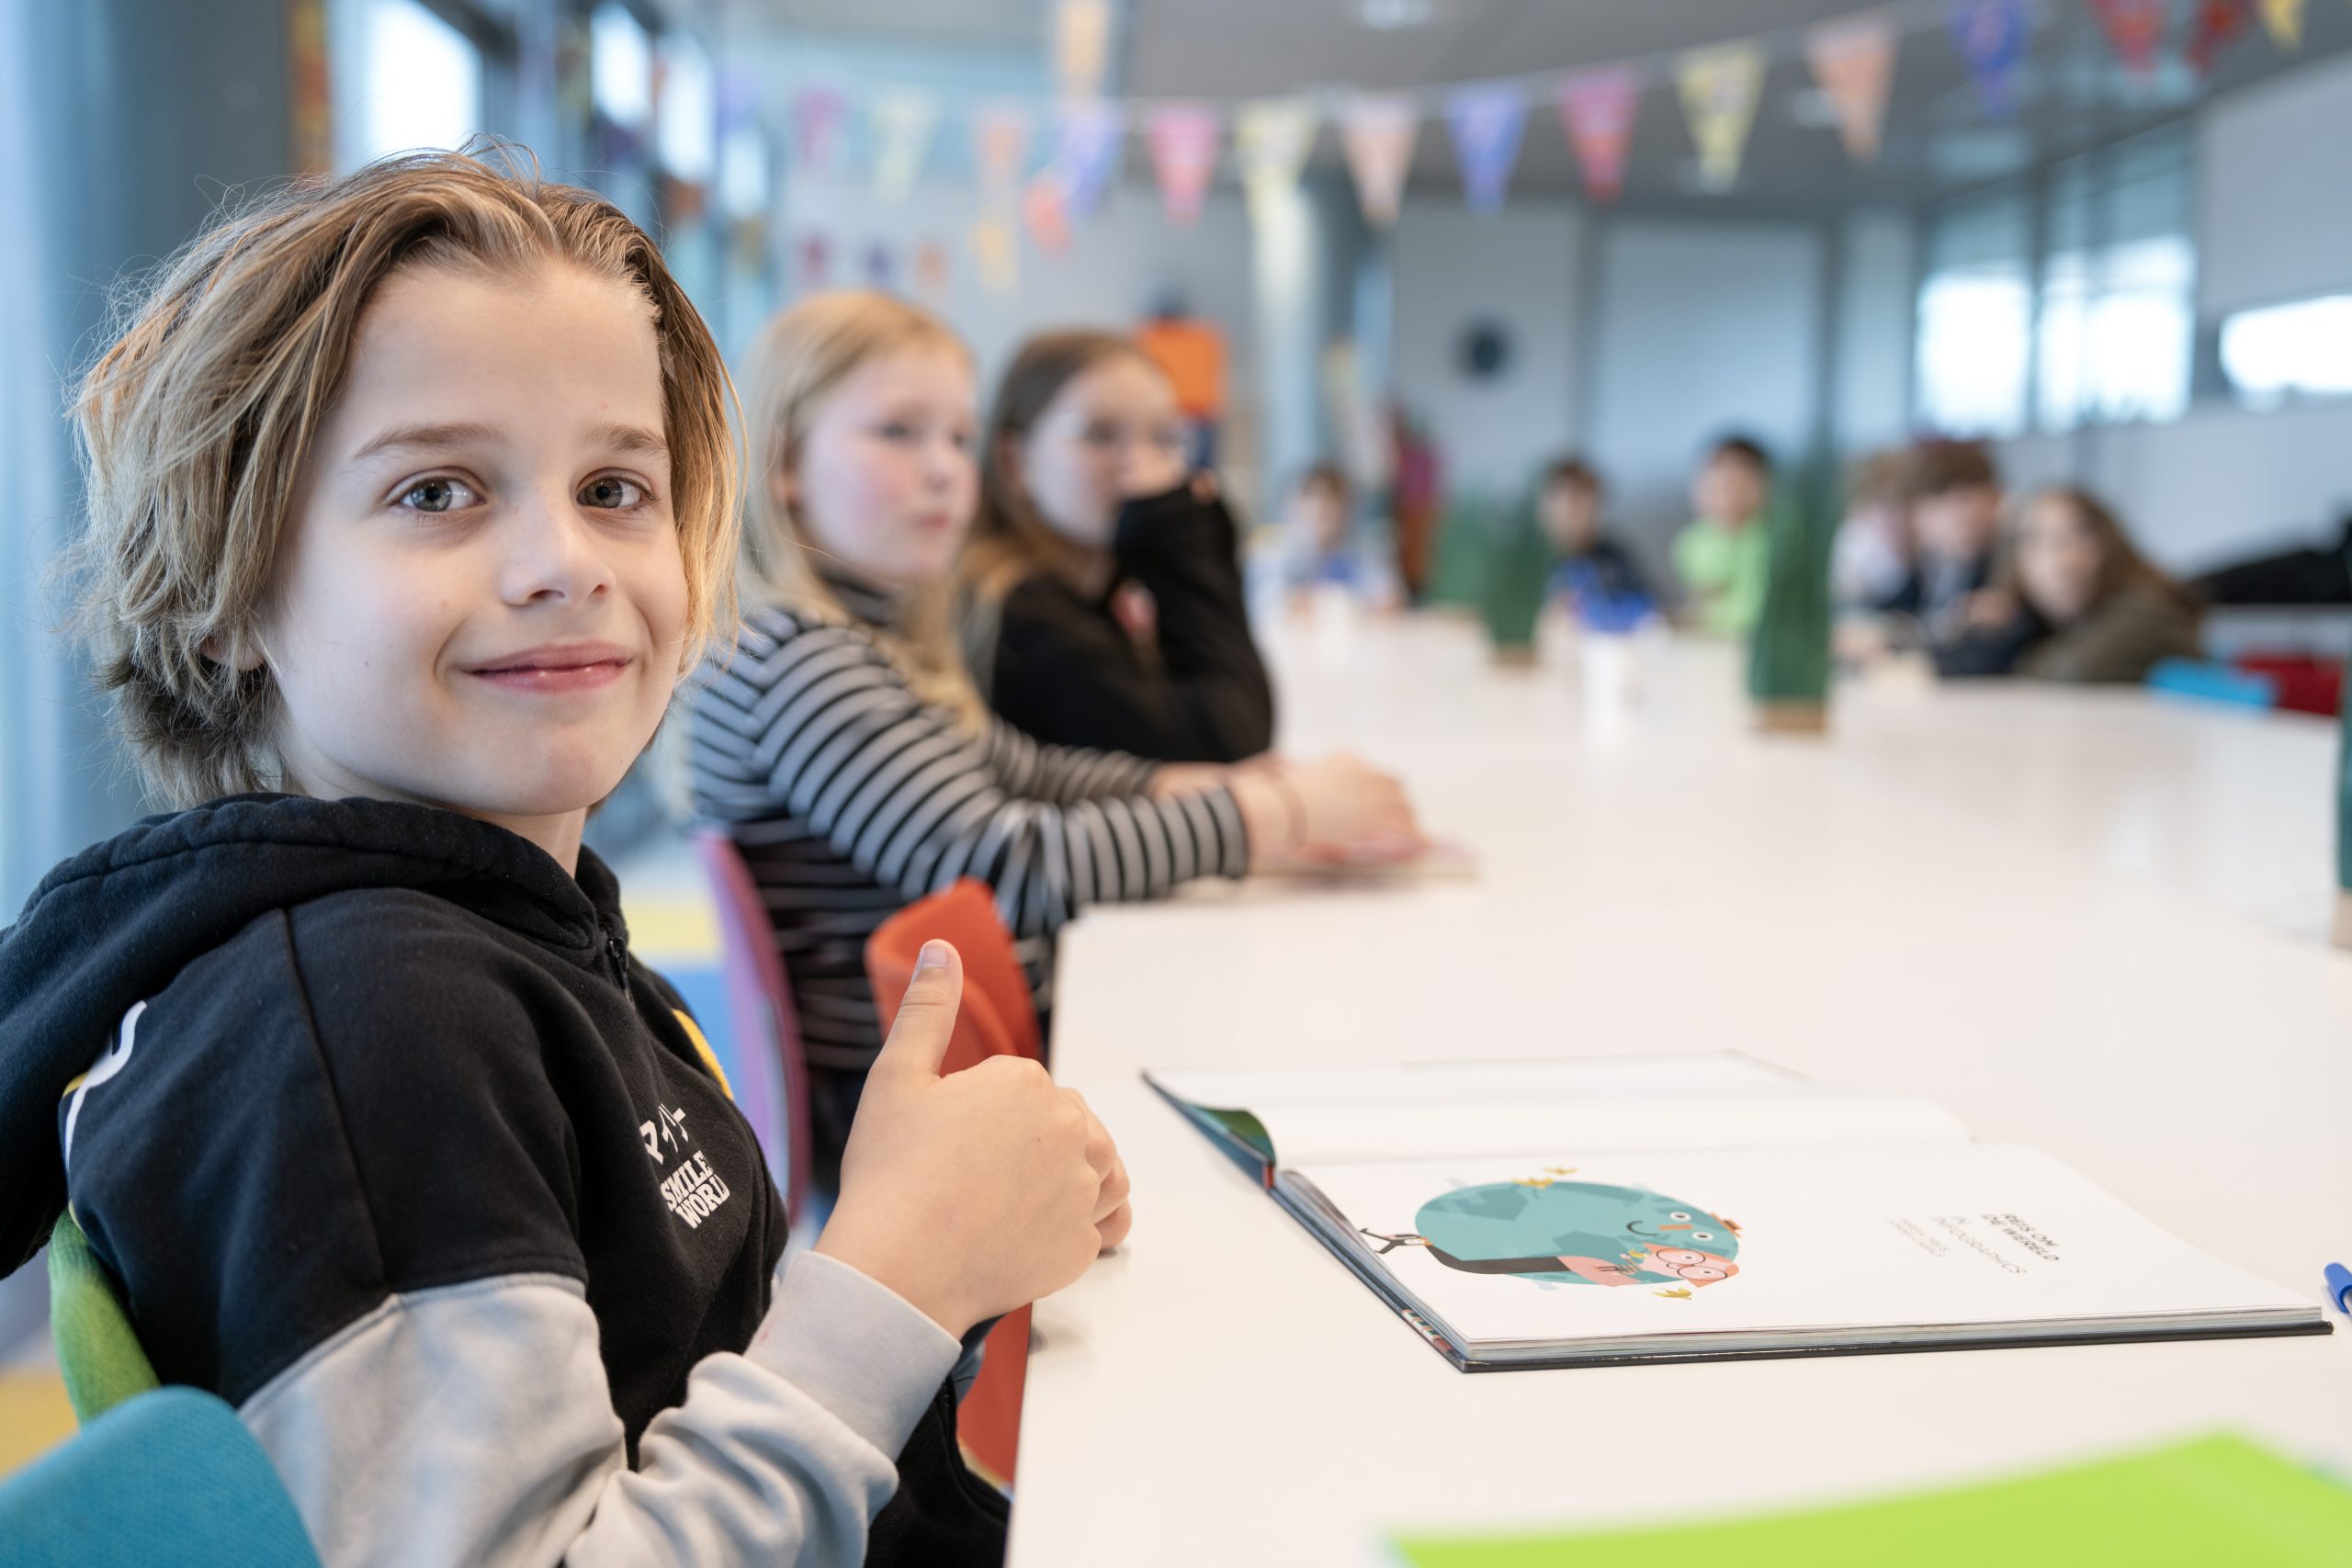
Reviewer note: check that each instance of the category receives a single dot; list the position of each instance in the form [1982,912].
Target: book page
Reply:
[1610,1102]
[1588,1246]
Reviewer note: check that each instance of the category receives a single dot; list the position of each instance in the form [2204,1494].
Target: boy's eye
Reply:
[611,492]
[436,495]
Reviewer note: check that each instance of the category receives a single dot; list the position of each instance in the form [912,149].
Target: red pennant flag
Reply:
[2135,29]
[1597,111]
[1183,138]
[2218,25]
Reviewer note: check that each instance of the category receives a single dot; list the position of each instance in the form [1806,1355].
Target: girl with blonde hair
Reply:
[840,742]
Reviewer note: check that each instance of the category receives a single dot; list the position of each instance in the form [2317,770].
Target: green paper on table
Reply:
[2212,1500]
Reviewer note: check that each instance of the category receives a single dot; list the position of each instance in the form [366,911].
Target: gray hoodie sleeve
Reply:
[472,1424]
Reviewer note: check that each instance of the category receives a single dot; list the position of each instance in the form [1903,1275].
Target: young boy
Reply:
[1956,500]
[1319,549]
[410,496]
[1593,567]
[1722,556]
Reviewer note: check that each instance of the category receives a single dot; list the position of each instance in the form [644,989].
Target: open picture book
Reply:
[1618,1210]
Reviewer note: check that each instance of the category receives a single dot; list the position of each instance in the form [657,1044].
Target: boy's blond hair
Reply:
[802,357]
[195,425]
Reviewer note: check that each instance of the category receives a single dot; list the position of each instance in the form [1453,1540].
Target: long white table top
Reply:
[2076,919]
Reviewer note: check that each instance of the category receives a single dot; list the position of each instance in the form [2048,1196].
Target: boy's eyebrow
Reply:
[425,435]
[634,438]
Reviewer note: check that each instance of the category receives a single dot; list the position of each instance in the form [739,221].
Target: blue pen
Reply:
[2339,1288]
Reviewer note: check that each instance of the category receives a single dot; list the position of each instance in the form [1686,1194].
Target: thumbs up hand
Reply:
[972,1194]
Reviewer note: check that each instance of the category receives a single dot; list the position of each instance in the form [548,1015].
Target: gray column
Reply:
[123,123]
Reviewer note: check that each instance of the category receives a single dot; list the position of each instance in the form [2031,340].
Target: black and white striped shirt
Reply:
[851,797]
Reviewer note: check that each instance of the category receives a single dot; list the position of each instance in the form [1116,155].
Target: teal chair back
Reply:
[167,1477]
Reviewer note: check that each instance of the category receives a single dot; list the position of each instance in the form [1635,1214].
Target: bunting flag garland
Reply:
[1271,139]
[2285,20]
[2216,26]
[1721,88]
[1597,111]
[1487,121]
[1378,130]
[1086,150]
[881,267]
[1000,147]
[995,255]
[1184,140]
[1992,36]
[1854,62]
[817,114]
[902,123]
[2135,29]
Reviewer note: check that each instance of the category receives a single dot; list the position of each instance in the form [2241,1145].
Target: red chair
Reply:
[998,1018]
[773,1090]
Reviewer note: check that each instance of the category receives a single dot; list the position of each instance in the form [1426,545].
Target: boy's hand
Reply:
[972,1194]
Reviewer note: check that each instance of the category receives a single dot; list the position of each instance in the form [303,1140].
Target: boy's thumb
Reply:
[926,1020]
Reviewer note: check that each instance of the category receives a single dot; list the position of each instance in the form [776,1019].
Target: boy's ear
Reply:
[241,650]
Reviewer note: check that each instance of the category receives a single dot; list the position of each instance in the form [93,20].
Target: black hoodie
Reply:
[389,1141]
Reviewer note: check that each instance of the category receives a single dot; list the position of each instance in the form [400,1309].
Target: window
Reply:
[687,119]
[421,82]
[2118,320]
[1976,318]
[2274,353]
[620,67]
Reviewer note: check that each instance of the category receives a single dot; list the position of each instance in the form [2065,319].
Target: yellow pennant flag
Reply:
[2285,20]
[1720,89]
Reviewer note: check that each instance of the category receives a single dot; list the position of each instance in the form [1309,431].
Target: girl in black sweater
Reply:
[1103,602]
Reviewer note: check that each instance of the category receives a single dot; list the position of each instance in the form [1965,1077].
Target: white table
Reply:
[2044,911]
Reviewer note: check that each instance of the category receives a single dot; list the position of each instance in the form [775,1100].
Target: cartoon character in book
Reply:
[1575,1233]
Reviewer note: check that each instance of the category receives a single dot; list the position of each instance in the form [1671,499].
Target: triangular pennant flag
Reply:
[1000,147]
[2217,25]
[2285,20]
[815,262]
[1082,45]
[1377,130]
[881,267]
[1597,111]
[998,259]
[1272,139]
[932,270]
[1486,120]
[816,117]
[1992,37]
[1720,89]
[902,124]
[2135,29]
[1854,62]
[1086,146]
[1184,140]
[1044,215]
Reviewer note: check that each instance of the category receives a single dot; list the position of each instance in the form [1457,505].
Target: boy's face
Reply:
[1729,489]
[1322,511]
[1571,515]
[1958,525]
[481,602]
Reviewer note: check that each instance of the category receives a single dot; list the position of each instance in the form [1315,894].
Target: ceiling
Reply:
[2075,93]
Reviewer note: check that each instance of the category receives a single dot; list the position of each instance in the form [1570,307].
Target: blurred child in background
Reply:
[1320,551]
[1102,600]
[2075,601]
[1596,576]
[1720,556]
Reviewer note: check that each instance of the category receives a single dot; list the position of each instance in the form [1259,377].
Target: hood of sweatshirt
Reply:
[112,927]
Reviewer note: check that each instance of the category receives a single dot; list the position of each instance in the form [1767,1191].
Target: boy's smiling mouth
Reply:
[557,667]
